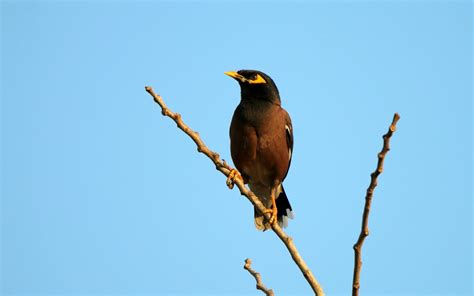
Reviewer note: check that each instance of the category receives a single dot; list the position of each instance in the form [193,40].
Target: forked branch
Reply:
[368,201]
[258,278]
[225,169]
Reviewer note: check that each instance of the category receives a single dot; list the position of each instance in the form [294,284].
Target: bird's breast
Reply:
[258,144]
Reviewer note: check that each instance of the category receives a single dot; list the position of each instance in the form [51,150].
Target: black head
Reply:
[256,85]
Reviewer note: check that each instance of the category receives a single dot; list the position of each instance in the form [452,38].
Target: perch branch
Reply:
[368,201]
[225,169]
[258,278]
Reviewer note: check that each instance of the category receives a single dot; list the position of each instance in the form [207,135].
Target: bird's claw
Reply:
[234,174]
[273,215]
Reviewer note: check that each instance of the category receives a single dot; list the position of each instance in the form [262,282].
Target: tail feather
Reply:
[284,208]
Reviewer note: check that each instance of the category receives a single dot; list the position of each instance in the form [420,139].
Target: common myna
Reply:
[261,144]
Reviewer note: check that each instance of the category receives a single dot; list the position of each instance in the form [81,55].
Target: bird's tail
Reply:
[283,207]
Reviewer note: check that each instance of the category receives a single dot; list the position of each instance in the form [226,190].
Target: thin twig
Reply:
[258,278]
[225,169]
[368,200]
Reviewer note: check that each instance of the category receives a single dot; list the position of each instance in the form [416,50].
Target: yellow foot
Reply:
[273,212]
[234,174]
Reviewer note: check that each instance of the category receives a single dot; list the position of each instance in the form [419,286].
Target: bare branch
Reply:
[258,278]
[225,169]
[368,201]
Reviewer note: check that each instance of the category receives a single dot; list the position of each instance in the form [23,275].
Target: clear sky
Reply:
[102,195]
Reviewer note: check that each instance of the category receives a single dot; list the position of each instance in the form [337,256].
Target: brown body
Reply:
[253,145]
[261,143]
[261,152]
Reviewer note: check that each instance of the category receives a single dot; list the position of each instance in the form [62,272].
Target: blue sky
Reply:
[102,195]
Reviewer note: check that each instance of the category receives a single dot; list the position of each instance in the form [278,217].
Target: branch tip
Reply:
[364,232]
[396,117]
[258,278]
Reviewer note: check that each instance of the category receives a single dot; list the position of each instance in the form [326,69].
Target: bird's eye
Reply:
[254,77]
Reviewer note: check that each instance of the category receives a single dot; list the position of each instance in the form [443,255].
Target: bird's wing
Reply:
[243,143]
[289,140]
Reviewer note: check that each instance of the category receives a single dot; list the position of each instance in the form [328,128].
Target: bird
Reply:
[261,144]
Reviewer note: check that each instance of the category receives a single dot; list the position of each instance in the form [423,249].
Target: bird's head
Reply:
[256,85]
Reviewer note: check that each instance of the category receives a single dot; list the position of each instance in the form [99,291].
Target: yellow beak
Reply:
[259,79]
[235,75]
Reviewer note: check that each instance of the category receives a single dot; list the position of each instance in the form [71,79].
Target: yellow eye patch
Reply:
[258,79]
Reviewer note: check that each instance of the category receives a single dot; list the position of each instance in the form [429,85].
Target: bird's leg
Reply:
[234,174]
[273,211]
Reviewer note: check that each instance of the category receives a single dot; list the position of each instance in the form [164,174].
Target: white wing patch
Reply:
[288,130]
